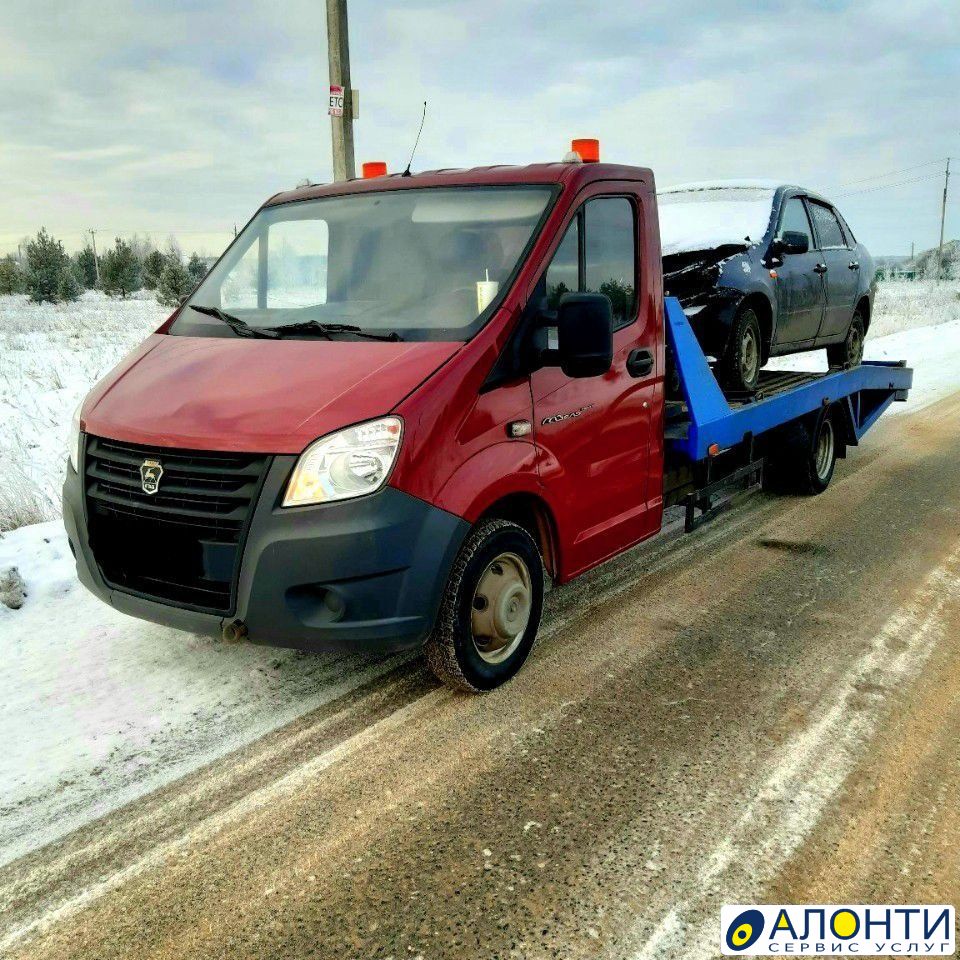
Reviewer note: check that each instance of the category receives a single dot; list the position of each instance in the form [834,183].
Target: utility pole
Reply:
[96,259]
[338,54]
[943,217]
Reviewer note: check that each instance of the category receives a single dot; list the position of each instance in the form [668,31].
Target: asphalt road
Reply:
[765,711]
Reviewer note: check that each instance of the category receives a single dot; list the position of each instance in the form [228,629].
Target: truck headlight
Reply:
[73,443]
[346,464]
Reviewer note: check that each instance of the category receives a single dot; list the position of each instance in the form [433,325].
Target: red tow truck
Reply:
[396,405]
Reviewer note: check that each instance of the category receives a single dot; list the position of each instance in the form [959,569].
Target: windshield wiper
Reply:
[329,329]
[240,327]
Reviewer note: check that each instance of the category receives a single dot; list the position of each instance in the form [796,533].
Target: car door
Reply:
[594,434]
[842,274]
[800,286]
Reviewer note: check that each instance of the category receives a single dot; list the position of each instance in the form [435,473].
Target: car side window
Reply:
[610,254]
[794,219]
[563,274]
[828,229]
[609,257]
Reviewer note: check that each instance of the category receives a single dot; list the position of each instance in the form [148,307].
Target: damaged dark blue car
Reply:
[764,269]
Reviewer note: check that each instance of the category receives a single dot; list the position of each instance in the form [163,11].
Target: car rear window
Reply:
[827,227]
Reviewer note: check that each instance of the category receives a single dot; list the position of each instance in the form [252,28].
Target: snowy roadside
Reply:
[98,708]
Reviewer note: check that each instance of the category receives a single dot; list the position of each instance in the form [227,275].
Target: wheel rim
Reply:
[855,349]
[501,608]
[749,356]
[825,445]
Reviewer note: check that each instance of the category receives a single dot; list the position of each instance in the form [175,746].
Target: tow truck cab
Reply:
[392,408]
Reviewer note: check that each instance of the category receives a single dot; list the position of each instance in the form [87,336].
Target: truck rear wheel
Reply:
[805,455]
[491,609]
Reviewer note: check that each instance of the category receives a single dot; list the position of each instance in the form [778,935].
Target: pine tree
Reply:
[69,286]
[46,262]
[196,268]
[175,283]
[11,276]
[121,270]
[154,264]
[86,268]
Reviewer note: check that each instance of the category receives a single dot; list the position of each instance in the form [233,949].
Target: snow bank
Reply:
[50,356]
[706,216]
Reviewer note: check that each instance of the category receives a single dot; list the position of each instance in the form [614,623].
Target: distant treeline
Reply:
[926,265]
[46,272]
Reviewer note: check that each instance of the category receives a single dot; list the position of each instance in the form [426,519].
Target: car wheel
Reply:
[491,609]
[850,352]
[741,362]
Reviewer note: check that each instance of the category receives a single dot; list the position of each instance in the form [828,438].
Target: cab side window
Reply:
[828,230]
[610,255]
[794,219]
[598,254]
[563,274]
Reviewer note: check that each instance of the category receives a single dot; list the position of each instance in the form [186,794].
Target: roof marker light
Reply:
[374,168]
[587,148]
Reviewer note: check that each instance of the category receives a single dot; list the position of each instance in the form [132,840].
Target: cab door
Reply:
[594,434]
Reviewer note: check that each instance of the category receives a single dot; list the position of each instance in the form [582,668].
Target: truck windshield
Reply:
[422,264]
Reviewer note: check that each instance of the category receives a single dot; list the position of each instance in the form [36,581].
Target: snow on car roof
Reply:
[747,184]
[713,213]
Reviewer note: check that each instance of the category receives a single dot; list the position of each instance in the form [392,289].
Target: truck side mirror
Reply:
[585,334]
[792,241]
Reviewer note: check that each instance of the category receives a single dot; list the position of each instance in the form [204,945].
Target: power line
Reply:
[885,186]
[892,173]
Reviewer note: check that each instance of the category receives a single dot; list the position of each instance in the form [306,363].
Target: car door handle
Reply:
[820,268]
[639,363]
[853,265]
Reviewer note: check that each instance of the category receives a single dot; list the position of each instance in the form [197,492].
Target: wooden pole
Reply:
[338,48]
[943,217]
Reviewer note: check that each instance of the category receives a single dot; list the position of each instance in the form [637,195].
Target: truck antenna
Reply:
[406,173]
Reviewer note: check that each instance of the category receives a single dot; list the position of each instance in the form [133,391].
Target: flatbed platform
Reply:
[709,420]
[771,383]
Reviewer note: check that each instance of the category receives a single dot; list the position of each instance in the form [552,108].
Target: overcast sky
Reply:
[181,117]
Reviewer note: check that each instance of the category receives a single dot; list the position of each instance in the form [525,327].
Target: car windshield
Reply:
[416,264]
[706,217]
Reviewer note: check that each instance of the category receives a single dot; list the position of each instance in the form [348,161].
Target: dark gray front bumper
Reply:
[363,575]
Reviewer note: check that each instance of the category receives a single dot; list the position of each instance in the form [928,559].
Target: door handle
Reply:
[853,265]
[639,363]
[820,268]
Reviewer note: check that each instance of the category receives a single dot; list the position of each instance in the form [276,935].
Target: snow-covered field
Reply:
[50,356]
[98,708]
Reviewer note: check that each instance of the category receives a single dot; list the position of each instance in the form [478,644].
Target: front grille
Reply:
[182,544]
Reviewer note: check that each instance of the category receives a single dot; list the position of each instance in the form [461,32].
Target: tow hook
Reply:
[235,632]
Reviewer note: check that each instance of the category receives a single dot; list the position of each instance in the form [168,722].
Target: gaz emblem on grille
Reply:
[150,473]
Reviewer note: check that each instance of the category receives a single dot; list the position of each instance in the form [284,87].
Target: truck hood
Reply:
[256,396]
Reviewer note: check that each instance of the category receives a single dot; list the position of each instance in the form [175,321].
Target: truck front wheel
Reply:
[491,608]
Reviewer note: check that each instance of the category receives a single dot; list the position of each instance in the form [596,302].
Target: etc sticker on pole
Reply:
[336,101]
